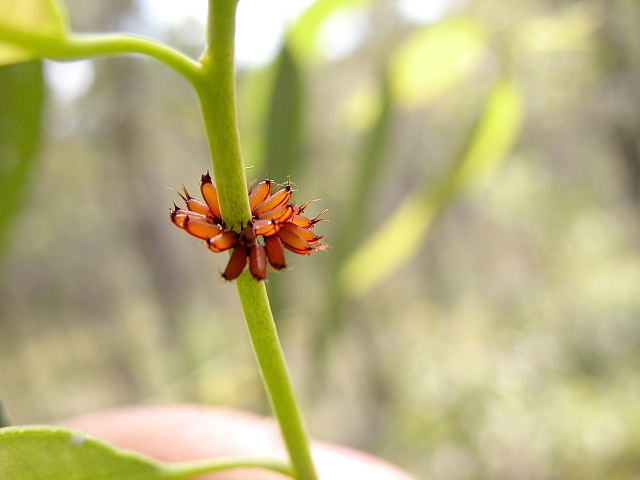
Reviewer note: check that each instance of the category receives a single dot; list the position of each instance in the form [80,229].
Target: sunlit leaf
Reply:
[398,239]
[571,28]
[284,123]
[21,97]
[44,17]
[435,59]
[60,454]
[304,33]
[493,136]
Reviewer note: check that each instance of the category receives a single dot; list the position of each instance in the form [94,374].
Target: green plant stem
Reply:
[73,47]
[216,92]
[266,345]
[183,470]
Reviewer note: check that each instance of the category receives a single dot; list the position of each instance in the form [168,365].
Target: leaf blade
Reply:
[400,237]
[45,17]
[435,59]
[27,452]
[22,95]
[303,34]
[284,128]
[56,453]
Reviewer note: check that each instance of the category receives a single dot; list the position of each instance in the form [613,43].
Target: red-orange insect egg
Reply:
[303,233]
[265,227]
[200,227]
[195,205]
[280,214]
[278,199]
[275,253]
[294,242]
[196,224]
[301,221]
[258,262]
[248,236]
[235,265]
[223,241]
[178,217]
[210,194]
[259,193]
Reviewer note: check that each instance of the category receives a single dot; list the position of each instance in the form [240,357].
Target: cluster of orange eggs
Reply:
[279,222]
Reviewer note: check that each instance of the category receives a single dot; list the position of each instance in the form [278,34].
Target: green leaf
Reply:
[571,28]
[435,59]
[55,453]
[399,238]
[44,17]
[253,105]
[52,453]
[283,138]
[354,220]
[303,35]
[284,123]
[21,96]
[370,160]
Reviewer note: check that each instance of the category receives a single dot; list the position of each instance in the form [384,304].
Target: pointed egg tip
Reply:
[187,195]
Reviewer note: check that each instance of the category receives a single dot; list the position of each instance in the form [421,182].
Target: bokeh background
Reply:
[478,314]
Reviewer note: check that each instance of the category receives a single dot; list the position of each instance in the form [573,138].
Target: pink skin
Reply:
[187,432]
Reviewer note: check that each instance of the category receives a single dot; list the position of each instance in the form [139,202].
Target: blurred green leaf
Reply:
[353,222]
[60,454]
[284,123]
[571,28]
[44,17]
[56,453]
[302,36]
[21,97]
[253,104]
[283,138]
[399,239]
[370,162]
[493,136]
[435,59]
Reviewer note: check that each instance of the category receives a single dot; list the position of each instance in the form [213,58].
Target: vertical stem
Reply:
[266,345]
[216,92]
[217,99]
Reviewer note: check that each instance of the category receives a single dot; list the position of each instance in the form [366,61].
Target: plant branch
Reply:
[183,470]
[73,47]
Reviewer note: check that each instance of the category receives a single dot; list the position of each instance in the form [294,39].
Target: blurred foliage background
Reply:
[478,315]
